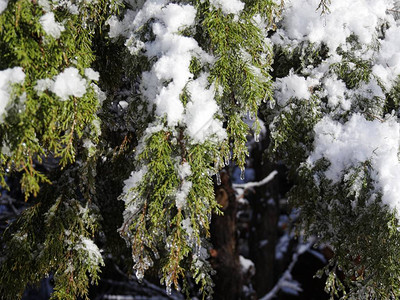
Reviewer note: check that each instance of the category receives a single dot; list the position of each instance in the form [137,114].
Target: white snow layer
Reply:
[173,52]
[184,170]
[181,195]
[92,74]
[228,6]
[200,112]
[302,22]
[68,83]
[335,90]
[387,67]
[246,265]
[92,250]
[134,180]
[359,140]
[50,26]
[293,86]
[3,5]
[163,85]
[7,78]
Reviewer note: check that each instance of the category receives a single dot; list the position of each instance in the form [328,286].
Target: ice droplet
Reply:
[242,174]
[218,177]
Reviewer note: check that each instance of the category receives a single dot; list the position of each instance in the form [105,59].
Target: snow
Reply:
[282,246]
[7,78]
[50,26]
[387,67]
[186,225]
[186,13]
[357,141]
[303,22]
[181,195]
[335,90]
[246,265]
[163,85]
[3,5]
[92,250]
[134,180]
[200,111]
[293,86]
[248,185]
[228,6]
[184,170]
[129,195]
[92,74]
[43,85]
[45,5]
[69,83]
[173,52]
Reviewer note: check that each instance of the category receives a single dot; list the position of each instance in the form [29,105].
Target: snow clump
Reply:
[228,6]
[7,78]
[50,26]
[69,83]
[357,141]
[302,22]
[93,252]
[168,77]
[3,5]
[293,86]
[66,84]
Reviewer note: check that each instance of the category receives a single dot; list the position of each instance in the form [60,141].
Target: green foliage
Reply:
[241,71]
[349,214]
[363,233]
[52,237]
[38,124]
[74,155]
[168,209]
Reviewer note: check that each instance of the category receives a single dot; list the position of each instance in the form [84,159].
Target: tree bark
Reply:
[224,255]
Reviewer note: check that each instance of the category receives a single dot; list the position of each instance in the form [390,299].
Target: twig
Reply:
[287,275]
[256,184]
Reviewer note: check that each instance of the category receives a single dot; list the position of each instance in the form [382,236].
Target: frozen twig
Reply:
[256,184]
[286,278]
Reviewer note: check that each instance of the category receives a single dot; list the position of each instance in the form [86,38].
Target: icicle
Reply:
[271,104]
[242,174]
[139,275]
[227,159]
[168,290]
[256,137]
[218,177]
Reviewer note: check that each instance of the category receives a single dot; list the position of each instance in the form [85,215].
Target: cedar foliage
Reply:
[76,155]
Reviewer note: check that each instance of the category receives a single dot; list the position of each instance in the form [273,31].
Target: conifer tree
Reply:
[336,127]
[145,101]
[183,70]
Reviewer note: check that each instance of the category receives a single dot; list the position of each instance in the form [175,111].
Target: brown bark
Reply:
[224,255]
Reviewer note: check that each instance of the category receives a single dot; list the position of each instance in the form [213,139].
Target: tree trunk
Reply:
[224,255]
